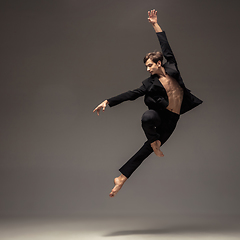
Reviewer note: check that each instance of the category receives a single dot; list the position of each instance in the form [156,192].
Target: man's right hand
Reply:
[102,106]
[152,16]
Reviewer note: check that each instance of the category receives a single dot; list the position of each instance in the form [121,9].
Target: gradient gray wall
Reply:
[59,59]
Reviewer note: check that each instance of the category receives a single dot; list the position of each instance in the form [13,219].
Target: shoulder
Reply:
[149,81]
[170,66]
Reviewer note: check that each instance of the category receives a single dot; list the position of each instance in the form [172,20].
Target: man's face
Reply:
[152,67]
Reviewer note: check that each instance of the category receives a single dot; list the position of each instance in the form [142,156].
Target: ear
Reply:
[159,64]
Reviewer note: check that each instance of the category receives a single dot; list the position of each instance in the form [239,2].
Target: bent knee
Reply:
[149,116]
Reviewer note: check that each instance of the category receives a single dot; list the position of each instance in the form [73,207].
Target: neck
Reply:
[161,72]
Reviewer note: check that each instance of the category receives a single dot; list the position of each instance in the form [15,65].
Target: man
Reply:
[166,97]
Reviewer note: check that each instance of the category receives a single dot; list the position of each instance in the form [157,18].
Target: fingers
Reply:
[152,13]
[102,106]
[98,109]
[95,109]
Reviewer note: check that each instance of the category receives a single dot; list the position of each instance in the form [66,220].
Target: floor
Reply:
[119,228]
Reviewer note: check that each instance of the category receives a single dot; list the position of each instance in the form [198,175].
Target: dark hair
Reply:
[154,56]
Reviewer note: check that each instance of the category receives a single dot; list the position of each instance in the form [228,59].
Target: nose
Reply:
[148,69]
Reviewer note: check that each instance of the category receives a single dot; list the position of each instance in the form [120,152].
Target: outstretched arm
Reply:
[152,18]
[129,95]
[166,49]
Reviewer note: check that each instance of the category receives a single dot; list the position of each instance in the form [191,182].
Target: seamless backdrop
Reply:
[57,158]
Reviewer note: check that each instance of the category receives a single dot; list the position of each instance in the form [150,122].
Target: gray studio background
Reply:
[60,59]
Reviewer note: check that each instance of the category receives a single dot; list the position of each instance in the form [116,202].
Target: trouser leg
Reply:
[155,128]
[168,124]
[133,163]
[150,121]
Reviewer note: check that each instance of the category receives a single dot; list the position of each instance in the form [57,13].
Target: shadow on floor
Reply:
[179,230]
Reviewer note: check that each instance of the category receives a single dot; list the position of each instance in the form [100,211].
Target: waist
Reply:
[169,114]
[176,110]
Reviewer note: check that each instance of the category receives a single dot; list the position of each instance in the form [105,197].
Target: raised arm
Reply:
[166,49]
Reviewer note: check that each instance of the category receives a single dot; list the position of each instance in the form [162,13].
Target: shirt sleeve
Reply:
[166,49]
[129,95]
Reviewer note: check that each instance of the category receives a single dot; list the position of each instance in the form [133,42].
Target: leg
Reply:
[135,161]
[150,121]
[168,124]
[130,166]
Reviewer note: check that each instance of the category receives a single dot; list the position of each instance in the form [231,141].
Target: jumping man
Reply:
[166,97]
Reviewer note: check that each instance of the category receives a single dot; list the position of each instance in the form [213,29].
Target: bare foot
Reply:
[156,148]
[118,181]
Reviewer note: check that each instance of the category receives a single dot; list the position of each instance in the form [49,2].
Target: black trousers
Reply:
[157,125]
